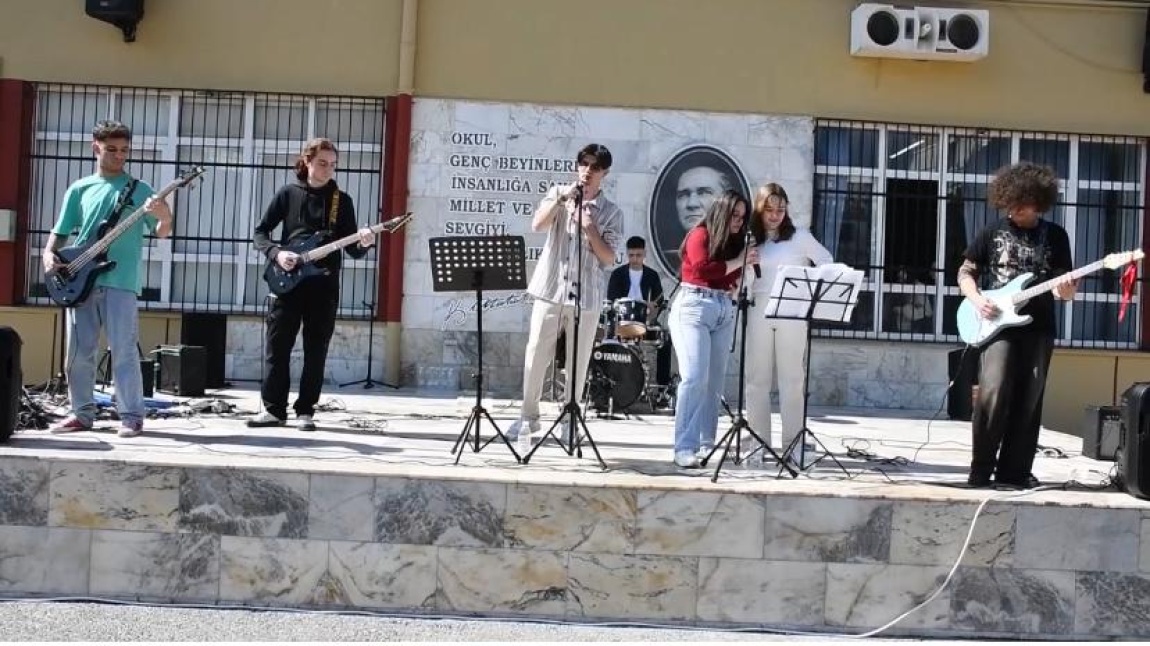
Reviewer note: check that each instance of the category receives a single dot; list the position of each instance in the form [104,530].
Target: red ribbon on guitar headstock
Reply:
[1129,275]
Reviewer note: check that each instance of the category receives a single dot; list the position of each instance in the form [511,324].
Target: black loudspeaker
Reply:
[1101,431]
[125,14]
[11,381]
[180,370]
[210,332]
[962,369]
[1134,441]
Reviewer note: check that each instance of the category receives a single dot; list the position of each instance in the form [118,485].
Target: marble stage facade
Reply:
[369,513]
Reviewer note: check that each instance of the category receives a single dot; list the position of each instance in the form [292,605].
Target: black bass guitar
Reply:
[71,284]
[281,281]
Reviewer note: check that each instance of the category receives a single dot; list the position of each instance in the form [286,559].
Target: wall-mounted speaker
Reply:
[125,14]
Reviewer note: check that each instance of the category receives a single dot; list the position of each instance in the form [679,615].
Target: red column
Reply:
[1143,318]
[393,197]
[16,127]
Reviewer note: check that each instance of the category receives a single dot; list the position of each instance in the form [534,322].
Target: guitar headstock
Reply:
[1116,260]
[189,176]
[397,221]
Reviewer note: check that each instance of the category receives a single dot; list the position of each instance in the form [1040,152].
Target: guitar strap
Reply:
[122,201]
[333,214]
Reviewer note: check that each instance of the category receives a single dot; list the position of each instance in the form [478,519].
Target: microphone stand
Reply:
[575,422]
[739,423]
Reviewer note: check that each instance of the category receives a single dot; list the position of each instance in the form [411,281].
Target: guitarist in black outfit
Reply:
[1013,365]
[312,204]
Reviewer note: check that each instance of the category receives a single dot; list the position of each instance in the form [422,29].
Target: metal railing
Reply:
[903,202]
[248,143]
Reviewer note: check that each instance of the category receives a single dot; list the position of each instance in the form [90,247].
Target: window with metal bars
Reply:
[902,202]
[248,142]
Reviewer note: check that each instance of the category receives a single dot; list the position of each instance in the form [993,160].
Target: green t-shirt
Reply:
[88,203]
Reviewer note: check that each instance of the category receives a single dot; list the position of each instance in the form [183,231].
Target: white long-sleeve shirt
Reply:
[801,249]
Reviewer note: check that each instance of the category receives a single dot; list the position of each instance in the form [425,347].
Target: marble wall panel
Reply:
[244,503]
[114,495]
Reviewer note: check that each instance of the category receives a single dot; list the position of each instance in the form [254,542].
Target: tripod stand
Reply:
[576,423]
[826,293]
[368,382]
[738,421]
[58,385]
[478,263]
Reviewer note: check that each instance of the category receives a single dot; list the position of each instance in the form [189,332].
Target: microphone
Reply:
[747,246]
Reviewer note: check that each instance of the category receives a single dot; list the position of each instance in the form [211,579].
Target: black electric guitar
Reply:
[70,284]
[281,281]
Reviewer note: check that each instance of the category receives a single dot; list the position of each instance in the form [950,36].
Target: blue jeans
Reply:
[115,311]
[702,324]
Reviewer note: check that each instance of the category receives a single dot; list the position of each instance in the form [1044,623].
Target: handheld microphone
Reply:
[747,246]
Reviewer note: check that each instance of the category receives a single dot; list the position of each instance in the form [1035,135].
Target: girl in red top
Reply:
[702,321]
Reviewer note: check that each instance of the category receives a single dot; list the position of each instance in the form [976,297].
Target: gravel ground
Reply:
[57,621]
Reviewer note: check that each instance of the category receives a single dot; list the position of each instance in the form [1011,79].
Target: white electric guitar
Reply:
[976,330]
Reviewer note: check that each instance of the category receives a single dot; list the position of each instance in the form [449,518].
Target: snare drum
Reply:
[656,336]
[630,318]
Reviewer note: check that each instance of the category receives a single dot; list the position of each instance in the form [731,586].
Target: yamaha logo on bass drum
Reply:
[613,357]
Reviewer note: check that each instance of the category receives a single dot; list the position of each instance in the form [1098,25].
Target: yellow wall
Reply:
[39,330]
[1070,69]
[312,46]
[1081,378]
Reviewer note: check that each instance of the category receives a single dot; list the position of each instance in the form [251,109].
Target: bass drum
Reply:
[617,376]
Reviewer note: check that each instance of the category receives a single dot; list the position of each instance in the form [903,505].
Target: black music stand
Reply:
[826,293]
[460,264]
[739,424]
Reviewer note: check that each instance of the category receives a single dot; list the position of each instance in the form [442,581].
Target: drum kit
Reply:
[624,357]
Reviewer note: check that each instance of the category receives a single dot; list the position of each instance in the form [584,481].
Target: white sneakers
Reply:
[266,419]
[687,459]
[516,429]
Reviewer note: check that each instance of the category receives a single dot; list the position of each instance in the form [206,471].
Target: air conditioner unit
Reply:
[920,33]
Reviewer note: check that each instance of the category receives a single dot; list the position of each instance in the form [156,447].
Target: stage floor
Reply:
[389,432]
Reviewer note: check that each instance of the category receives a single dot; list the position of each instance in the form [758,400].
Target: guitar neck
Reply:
[321,251]
[124,224]
[1049,285]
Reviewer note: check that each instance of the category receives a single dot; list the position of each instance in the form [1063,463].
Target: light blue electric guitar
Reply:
[976,330]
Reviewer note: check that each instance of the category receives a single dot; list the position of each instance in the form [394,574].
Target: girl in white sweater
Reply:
[777,342]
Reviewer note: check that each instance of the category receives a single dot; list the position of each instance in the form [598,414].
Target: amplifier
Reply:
[11,381]
[181,369]
[1101,431]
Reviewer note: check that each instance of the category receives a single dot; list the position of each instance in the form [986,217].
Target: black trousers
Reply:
[312,305]
[1008,414]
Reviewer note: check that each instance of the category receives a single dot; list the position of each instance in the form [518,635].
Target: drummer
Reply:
[638,282]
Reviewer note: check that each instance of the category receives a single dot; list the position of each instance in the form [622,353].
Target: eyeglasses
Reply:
[594,164]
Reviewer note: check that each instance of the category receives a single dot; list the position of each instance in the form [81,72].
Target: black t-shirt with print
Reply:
[1002,251]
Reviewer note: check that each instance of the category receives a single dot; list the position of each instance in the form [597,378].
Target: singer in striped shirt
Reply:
[557,280]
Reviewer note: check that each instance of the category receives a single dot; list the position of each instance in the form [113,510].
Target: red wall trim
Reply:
[397,147]
[17,103]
